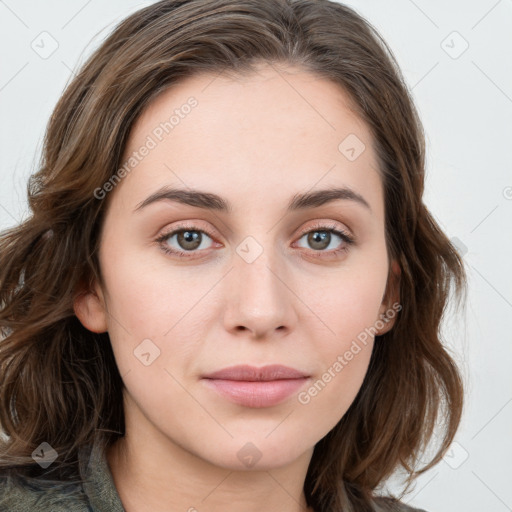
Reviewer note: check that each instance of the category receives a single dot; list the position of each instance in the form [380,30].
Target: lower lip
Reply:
[258,393]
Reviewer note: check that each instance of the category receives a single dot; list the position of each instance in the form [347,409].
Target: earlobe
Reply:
[89,307]
[388,315]
[390,306]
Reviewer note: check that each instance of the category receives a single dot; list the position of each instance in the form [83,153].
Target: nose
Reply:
[260,298]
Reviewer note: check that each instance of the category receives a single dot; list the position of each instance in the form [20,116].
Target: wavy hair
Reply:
[59,382]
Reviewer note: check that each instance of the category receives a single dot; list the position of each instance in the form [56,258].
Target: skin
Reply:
[256,141]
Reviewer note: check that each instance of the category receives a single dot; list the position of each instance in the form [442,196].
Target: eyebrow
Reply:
[210,201]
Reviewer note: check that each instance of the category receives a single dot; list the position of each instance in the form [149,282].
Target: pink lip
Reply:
[256,387]
[252,373]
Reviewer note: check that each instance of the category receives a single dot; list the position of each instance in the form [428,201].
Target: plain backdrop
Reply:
[457,60]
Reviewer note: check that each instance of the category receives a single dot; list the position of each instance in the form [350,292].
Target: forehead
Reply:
[278,129]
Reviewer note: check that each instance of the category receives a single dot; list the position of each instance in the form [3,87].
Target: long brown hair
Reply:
[59,382]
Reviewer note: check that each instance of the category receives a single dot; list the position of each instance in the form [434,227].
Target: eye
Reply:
[327,238]
[184,241]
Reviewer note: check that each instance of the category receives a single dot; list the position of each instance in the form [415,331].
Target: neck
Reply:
[151,478]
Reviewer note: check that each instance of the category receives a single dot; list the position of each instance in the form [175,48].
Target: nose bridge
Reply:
[259,300]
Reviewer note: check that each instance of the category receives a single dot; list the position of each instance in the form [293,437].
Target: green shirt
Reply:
[97,494]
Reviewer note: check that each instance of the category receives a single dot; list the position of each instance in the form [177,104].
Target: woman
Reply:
[229,292]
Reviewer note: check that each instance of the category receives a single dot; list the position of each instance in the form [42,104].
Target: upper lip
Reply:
[252,373]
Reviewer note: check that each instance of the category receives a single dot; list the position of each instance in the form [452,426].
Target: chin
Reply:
[245,453]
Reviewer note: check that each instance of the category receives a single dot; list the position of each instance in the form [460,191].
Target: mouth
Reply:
[246,372]
[256,387]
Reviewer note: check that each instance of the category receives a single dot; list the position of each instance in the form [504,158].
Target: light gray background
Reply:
[465,101]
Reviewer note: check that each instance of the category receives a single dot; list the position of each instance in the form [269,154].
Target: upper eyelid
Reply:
[326,226]
[323,225]
[184,227]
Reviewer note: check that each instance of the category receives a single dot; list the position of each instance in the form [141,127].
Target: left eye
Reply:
[320,239]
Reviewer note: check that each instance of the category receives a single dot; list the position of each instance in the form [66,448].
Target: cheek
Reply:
[332,392]
[155,310]
[348,310]
[148,297]
[344,353]
[346,306]
[141,307]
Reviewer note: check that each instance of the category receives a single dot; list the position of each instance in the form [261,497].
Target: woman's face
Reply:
[257,277]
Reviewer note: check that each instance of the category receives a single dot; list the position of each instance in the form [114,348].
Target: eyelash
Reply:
[331,228]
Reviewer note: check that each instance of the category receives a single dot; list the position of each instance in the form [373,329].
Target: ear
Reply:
[89,307]
[390,306]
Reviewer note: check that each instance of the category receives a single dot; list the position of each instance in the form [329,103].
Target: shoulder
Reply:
[30,495]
